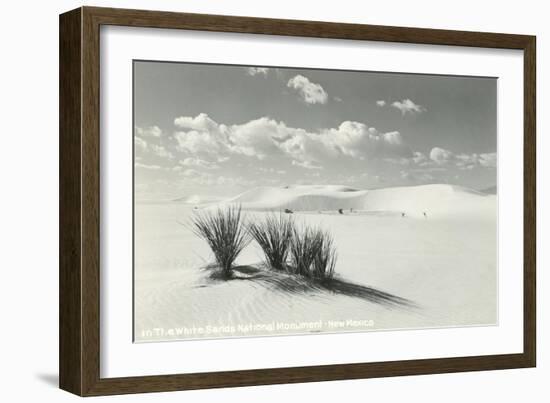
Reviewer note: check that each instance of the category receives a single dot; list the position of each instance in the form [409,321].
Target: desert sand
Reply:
[394,271]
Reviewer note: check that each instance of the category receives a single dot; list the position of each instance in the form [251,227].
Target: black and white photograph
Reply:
[275,201]
[241,202]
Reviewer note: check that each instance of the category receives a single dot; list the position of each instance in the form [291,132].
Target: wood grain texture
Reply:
[70,230]
[90,202]
[530,202]
[80,201]
[317,29]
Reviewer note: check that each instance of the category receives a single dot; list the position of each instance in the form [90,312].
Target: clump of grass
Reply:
[325,258]
[274,235]
[313,253]
[225,233]
[303,248]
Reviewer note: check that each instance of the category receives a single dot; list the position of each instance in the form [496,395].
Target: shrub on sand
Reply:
[325,258]
[303,248]
[274,235]
[313,253]
[225,233]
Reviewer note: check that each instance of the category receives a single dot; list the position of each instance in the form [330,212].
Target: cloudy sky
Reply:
[215,130]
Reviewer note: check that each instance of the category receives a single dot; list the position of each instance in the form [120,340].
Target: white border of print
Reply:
[120,357]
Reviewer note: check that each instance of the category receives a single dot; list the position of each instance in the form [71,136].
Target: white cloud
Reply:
[197,162]
[208,143]
[273,170]
[264,137]
[254,71]
[408,106]
[190,172]
[463,161]
[381,103]
[466,161]
[488,160]
[470,161]
[441,156]
[151,131]
[145,166]
[162,152]
[338,99]
[357,140]
[257,138]
[140,144]
[393,138]
[306,164]
[204,142]
[201,122]
[312,93]
[419,158]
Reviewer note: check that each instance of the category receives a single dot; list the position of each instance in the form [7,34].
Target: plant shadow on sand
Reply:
[292,284]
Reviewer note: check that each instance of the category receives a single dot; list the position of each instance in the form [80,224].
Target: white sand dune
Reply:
[435,200]
[196,199]
[445,264]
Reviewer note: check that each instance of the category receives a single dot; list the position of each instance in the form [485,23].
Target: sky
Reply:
[204,132]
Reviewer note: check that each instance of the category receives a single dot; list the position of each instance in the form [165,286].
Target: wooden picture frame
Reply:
[79,280]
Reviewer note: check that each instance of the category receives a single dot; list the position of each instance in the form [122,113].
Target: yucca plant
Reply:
[313,253]
[325,258]
[225,233]
[303,248]
[274,235]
